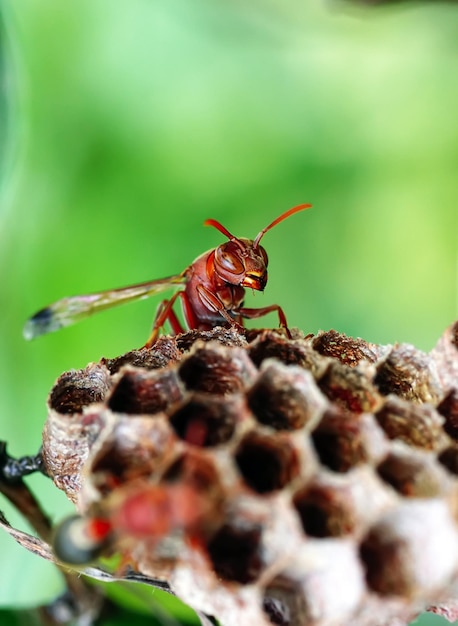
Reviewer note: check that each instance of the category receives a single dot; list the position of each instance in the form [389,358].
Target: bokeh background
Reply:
[125,124]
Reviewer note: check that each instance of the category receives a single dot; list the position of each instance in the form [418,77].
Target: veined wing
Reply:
[71,310]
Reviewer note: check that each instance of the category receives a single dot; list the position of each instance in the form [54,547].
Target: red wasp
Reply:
[212,294]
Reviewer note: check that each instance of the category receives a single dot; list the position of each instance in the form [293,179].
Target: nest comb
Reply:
[317,476]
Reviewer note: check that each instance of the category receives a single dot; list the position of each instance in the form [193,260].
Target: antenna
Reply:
[219,227]
[283,216]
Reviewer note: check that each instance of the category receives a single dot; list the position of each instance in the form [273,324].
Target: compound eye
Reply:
[227,259]
[263,253]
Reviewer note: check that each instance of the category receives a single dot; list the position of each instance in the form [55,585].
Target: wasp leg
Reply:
[213,303]
[188,311]
[165,312]
[254,313]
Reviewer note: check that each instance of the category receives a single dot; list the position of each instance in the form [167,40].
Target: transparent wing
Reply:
[71,310]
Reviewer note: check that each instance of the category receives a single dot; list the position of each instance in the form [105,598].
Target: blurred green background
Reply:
[125,124]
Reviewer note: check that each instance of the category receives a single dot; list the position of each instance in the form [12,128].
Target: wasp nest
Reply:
[302,481]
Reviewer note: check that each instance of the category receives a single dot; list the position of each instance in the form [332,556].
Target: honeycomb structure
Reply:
[304,481]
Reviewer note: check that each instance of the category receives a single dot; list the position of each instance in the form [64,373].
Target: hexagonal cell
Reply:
[140,391]
[235,551]
[347,350]
[417,425]
[448,408]
[213,368]
[205,420]
[67,442]
[449,459]
[322,584]
[163,353]
[267,462]
[285,397]
[271,344]
[326,509]
[345,440]
[257,533]
[342,505]
[408,372]
[195,468]
[230,337]
[350,387]
[79,388]
[444,357]
[413,473]
[136,446]
[412,550]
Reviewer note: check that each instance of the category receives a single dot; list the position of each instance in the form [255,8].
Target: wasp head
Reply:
[243,261]
[238,262]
